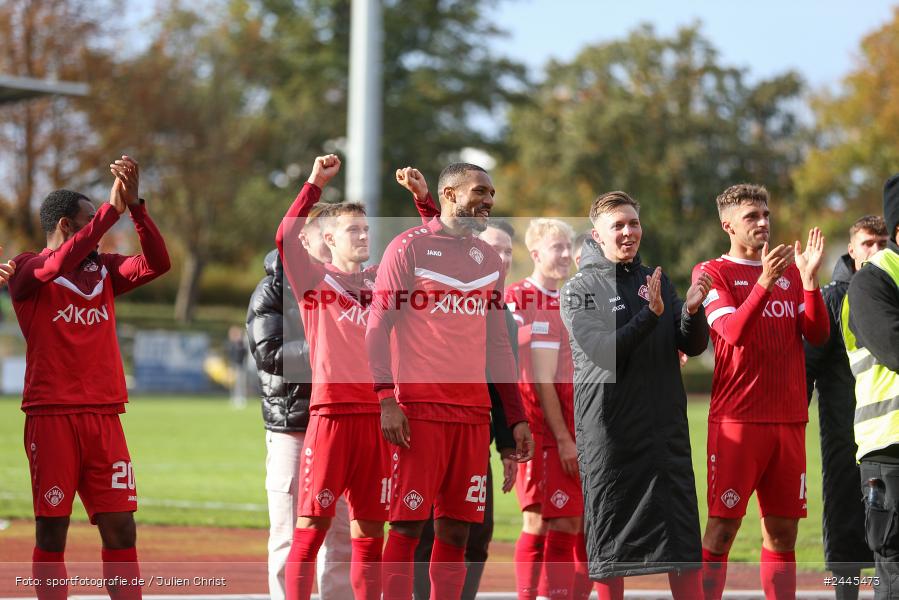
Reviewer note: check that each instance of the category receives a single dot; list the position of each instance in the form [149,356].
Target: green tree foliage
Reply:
[232,100]
[857,147]
[664,120]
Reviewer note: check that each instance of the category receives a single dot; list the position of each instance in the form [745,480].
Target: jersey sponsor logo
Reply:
[477,255]
[435,253]
[355,314]
[82,315]
[453,304]
[712,296]
[730,498]
[54,496]
[783,283]
[413,500]
[780,309]
[540,327]
[643,292]
[741,282]
[325,498]
[559,499]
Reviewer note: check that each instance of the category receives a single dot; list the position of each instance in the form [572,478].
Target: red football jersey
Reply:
[536,310]
[65,304]
[334,307]
[441,296]
[759,372]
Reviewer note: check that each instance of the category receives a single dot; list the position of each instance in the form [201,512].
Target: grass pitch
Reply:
[199,461]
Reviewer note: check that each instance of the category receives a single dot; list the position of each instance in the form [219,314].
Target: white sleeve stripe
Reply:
[802,307]
[720,312]
[548,345]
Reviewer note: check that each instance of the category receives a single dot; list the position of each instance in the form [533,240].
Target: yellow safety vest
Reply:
[876,387]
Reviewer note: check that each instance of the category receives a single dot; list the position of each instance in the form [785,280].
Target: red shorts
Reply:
[344,454]
[84,453]
[446,467]
[767,458]
[562,493]
[529,478]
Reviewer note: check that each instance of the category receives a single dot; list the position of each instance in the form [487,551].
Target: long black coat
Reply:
[641,513]
[284,372]
[827,368]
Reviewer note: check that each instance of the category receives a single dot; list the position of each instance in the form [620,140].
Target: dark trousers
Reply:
[882,527]
[479,536]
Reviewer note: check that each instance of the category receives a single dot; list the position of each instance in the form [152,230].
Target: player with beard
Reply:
[64,298]
[344,452]
[760,308]
[548,487]
[498,235]
[439,294]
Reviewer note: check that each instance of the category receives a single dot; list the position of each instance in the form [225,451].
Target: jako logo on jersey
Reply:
[780,309]
[460,304]
[413,500]
[477,255]
[325,498]
[730,498]
[355,314]
[742,282]
[559,499]
[54,496]
[643,292]
[783,283]
[435,253]
[85,316]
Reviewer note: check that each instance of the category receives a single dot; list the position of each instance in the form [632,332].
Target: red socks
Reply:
[610,589]
[299,572]
[528,563]
[685,585]
[447,571]
[365,569]
[778,573]
[582,583]
[714,574]
[122,566]
[558,557]
[49,565]
[397,564]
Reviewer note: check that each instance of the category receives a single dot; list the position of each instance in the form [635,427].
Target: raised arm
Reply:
[815,323]
[6,270]
[302,272]
[129,272]
[412,179]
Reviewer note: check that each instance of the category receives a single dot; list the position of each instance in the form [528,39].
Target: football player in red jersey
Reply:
[64,298]
[439,287]
[762,303]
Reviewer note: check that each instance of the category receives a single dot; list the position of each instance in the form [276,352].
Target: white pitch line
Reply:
[169,503]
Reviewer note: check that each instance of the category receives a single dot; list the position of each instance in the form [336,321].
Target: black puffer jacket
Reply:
[827,368]
[630,411]
[273,316]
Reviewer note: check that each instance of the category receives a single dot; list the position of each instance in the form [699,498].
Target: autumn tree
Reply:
[663,119]
[857,148]
[41,140]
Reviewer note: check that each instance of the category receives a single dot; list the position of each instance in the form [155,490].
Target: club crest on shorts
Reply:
[413,500]
[54,496]
[559,499]
[783,283]
[643,292]
[477,255]
[730,498]
[325,498]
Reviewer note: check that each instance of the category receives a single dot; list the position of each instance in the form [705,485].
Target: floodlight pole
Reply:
[363,183]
